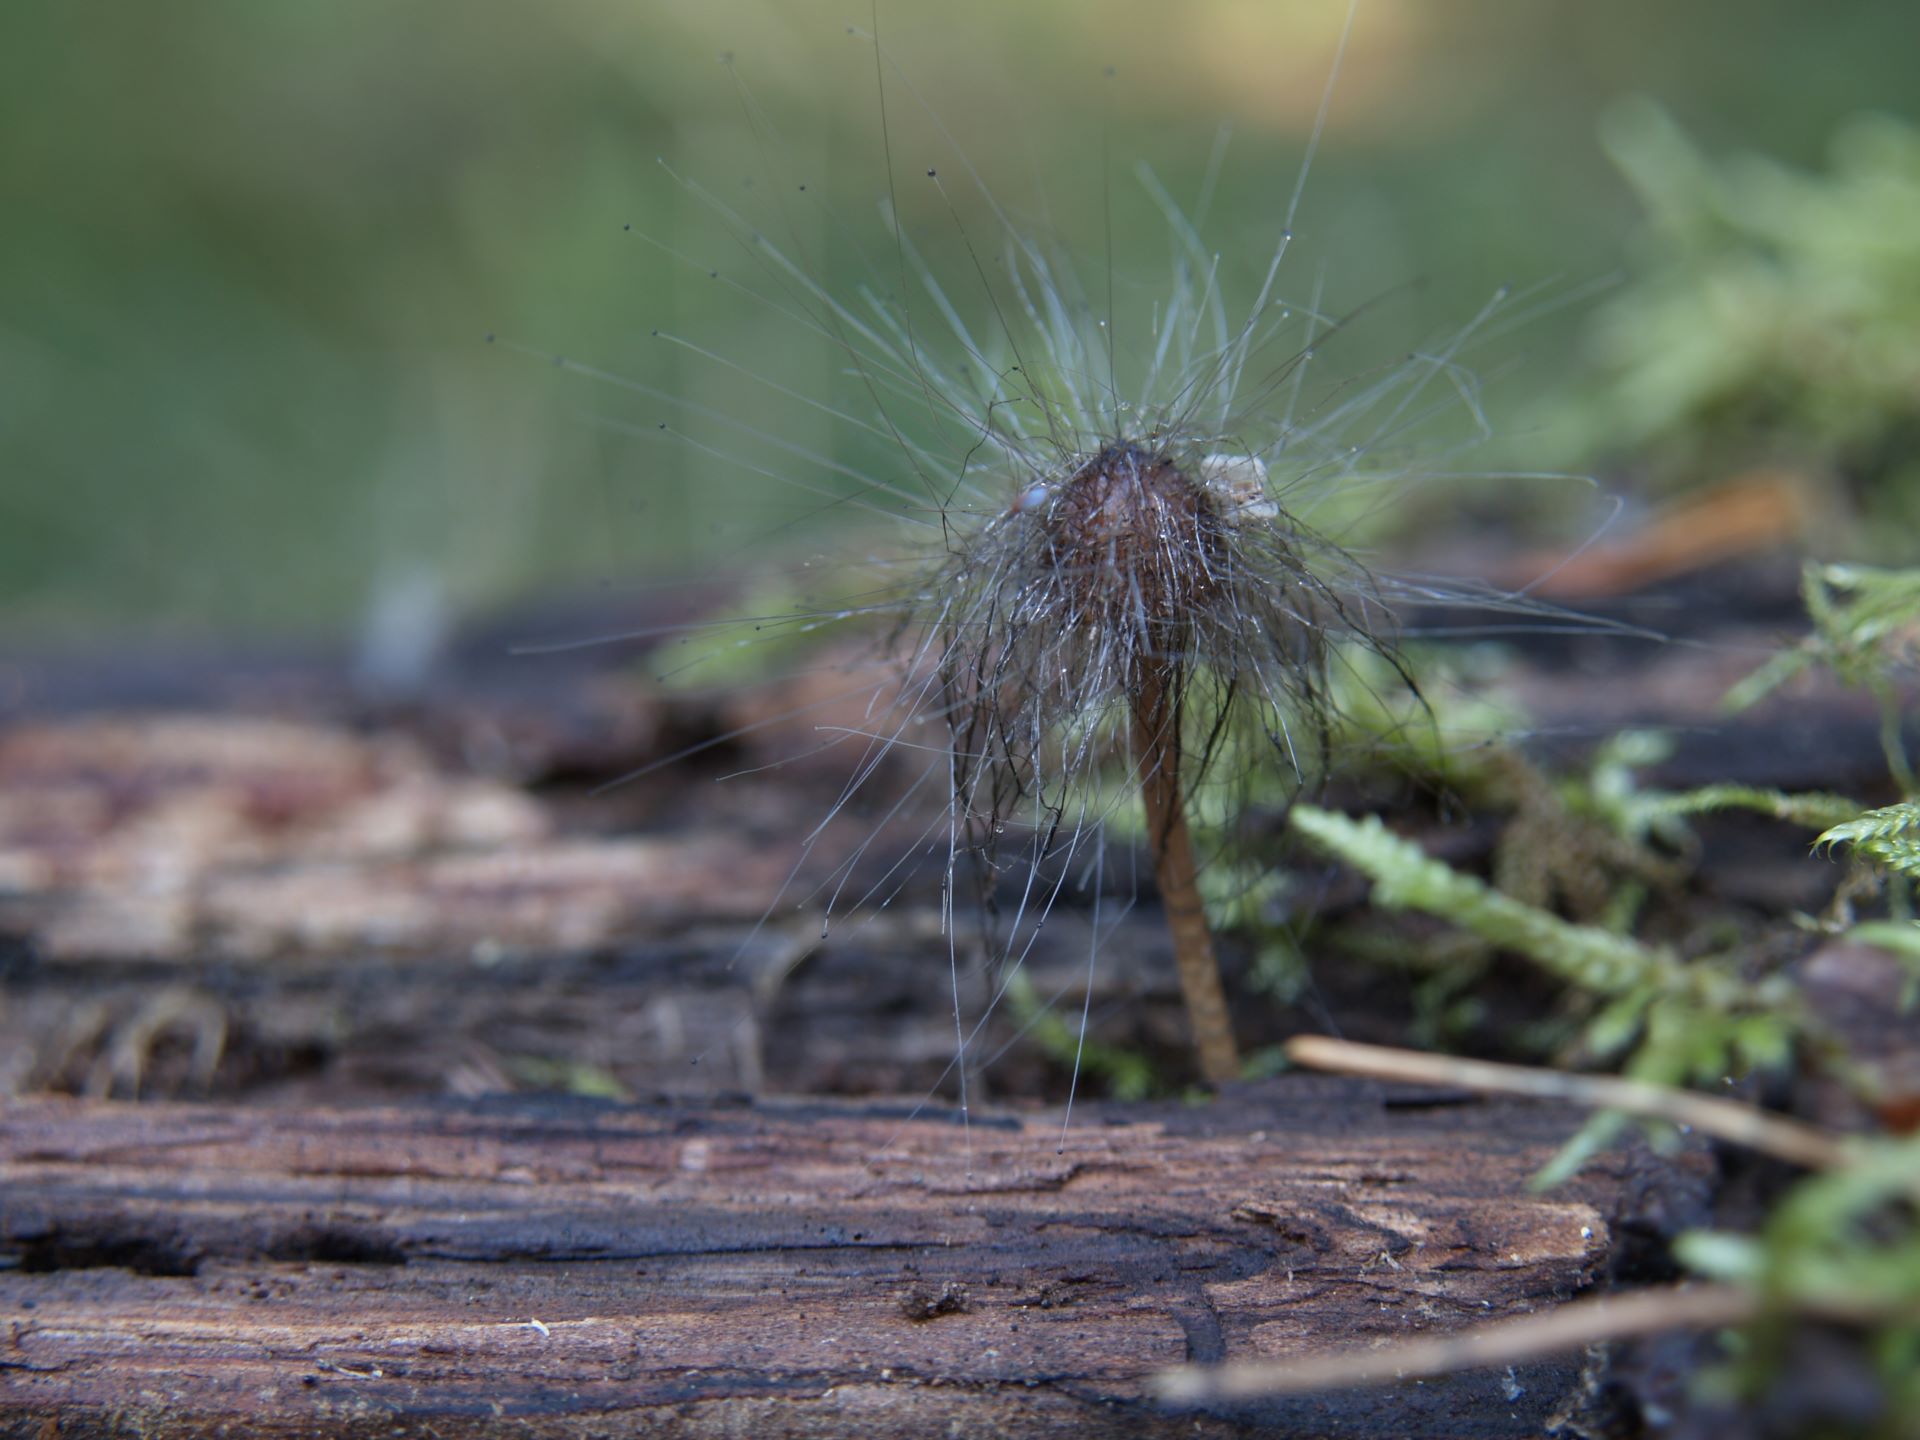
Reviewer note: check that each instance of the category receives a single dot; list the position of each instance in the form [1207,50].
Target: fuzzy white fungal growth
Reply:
[1110,573]
[1239,485]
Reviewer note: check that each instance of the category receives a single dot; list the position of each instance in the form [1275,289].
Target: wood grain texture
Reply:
[571,1268]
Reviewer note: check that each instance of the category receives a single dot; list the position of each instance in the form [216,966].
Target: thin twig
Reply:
[1505,1342]
[1776,1135]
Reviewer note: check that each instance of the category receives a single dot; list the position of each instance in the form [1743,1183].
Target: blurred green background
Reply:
[252,247]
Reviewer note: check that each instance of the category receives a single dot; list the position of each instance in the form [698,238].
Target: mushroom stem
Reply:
[1157,731]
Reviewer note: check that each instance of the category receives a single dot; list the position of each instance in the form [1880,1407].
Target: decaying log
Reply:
[568,1267]
[224,904]
[350,908]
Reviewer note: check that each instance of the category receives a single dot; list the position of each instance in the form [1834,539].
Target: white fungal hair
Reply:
[1080,518]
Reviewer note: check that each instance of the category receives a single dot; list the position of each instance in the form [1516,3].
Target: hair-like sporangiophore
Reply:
[1096,531]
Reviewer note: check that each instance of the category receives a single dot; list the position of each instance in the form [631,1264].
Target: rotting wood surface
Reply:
[221,903]
[342,907]
[572,1268]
